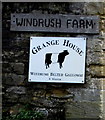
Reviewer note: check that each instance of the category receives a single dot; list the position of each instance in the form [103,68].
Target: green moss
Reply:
[25,113]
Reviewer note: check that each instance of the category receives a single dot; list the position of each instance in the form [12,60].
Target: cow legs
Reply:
[60,65]
[47,66]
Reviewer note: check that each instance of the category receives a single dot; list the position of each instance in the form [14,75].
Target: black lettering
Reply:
[73,46]
[35,22]
[66,42]
[48,43]
[82,24]
[68,22]
[28,22]
[58,23]
[41,23]
[78,50]
[57,42]
[34,50]
[31,73]
[52,42]
[52,23]
[39,48]
[47,22]
[75,23]
[89,24]
[80,53]
[70,45]
[43,45]
[24,22]
[19,23]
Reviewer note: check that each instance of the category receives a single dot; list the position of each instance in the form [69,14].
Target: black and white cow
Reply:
[61,57]
[48,59]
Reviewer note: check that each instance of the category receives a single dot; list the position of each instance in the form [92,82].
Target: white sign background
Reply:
[73,66]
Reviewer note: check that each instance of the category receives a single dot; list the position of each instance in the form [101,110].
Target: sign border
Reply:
[82,82]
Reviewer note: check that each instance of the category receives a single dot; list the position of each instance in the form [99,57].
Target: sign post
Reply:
[57,59]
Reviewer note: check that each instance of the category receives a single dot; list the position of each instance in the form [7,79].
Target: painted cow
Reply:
[61,57]
[48,60]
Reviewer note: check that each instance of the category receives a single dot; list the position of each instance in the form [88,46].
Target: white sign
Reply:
[57,59]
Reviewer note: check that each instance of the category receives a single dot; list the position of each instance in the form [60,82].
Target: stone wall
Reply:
[58,101]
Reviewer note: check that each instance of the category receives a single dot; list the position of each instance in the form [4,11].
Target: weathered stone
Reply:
[102,84]
[55,8]
[102,93]
[97,71]
[6,67]
[85,94]
[11,98]
[20,42]
[82,110]
[40,86]
[94,45]
[42,102]
[39,93]
[94,58]
[93,8]
[17,90]
[17,67]
[13,79]
[15,109]
[103,110]
[25,99]
[76,8]
[95,83]
[59,93]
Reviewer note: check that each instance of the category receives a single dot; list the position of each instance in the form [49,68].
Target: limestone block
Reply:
[6,67]
[102,33]
[94,83]
[42,102]
[85,94]
[59,93]
[39,93]
[17,90]
[20,42]
[94,58]
[94,45]
[11,98]
[25,98]
[76,8]
[82,110]
[17,68]
[94,8]
[13,79]
[103,84]
[103,110]
[103,45]
[14,56]
[102,93]
[40,86]
[98,71]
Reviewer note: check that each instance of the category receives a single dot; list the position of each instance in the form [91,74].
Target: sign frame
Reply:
[40,50]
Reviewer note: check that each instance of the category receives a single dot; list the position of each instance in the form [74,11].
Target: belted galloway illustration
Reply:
[61,57]
[48,59]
